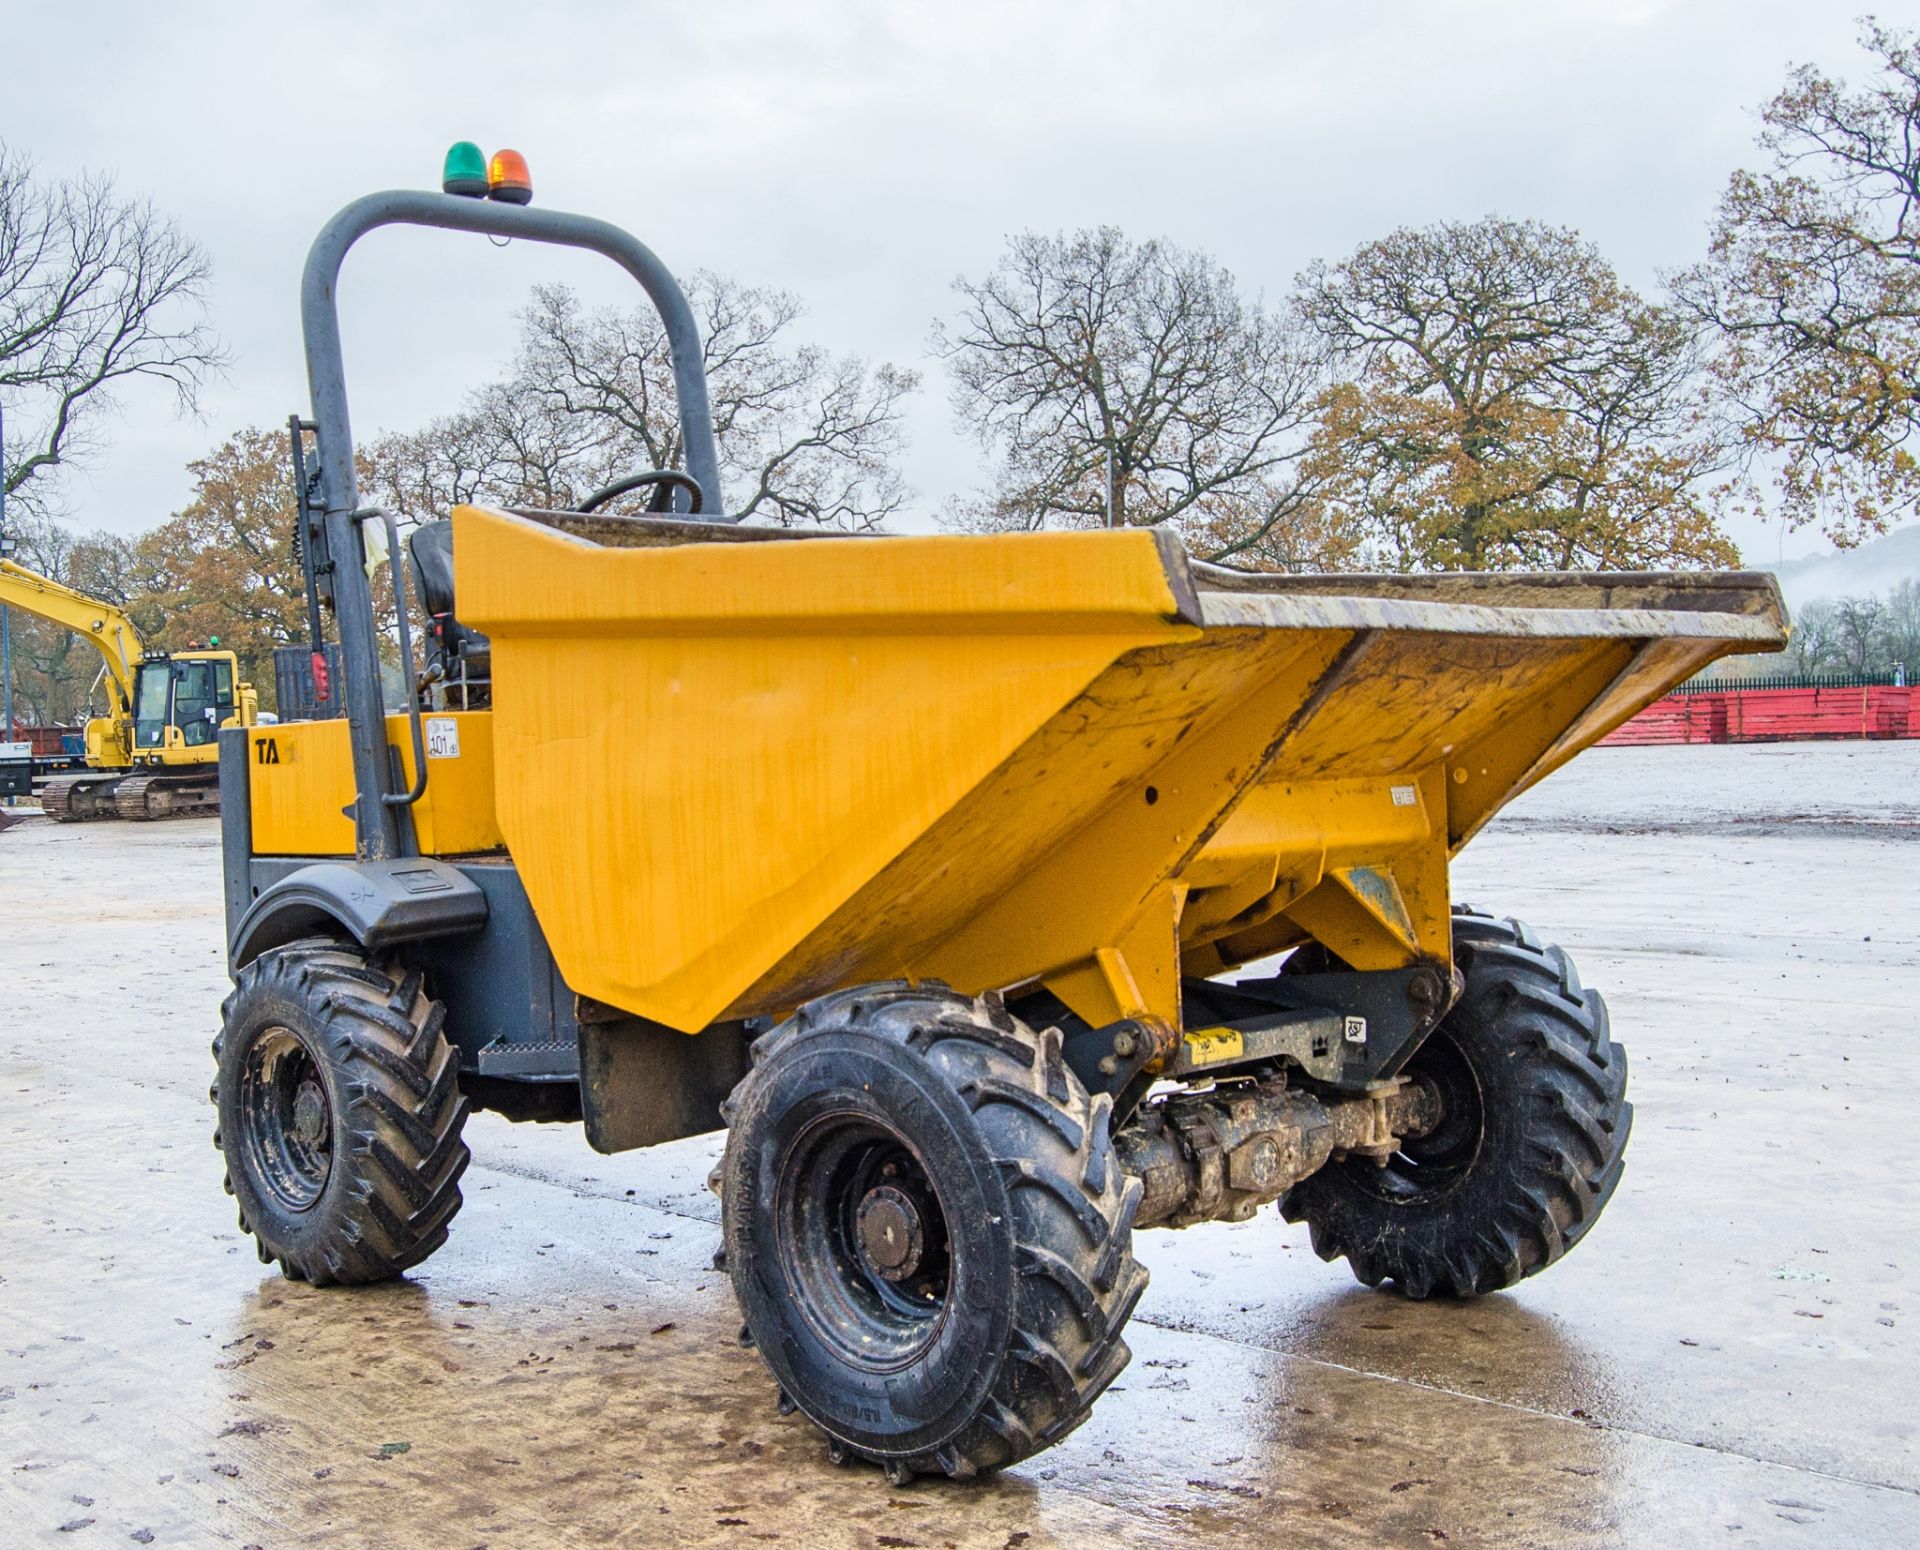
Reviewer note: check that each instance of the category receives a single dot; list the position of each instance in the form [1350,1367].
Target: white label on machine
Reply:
[1406,796]
[443,737]
[1356,1030]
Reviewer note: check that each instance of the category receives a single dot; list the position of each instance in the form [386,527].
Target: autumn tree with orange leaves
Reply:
[1812,290]
[223,567]
[1502,400]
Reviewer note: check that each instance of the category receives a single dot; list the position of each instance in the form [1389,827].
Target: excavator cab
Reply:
[180,702]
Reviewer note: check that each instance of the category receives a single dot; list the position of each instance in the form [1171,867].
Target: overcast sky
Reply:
[861,155]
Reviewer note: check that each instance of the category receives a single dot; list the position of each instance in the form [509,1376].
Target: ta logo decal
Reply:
[266,751]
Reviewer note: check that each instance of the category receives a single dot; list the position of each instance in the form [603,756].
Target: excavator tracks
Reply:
[81,798]
[168,794]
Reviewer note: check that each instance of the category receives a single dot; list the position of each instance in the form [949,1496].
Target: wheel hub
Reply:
[864,1240]
[284,1122]
[892,1236]
[310,1113]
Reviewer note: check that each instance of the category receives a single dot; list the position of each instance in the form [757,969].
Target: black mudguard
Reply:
[377,903]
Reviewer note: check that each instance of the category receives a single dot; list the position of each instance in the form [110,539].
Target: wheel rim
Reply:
[863,1240]
[286,1120]
[1433,1165]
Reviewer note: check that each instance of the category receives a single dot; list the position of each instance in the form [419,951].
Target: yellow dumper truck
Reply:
[1002,896]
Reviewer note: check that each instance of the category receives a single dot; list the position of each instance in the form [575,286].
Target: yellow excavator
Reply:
[156,753]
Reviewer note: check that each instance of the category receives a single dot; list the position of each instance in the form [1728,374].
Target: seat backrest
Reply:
[462,655]
[431,547]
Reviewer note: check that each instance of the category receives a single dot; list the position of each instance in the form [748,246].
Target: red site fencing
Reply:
[1773,715]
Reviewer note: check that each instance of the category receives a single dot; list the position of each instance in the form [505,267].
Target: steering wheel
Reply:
[664,478]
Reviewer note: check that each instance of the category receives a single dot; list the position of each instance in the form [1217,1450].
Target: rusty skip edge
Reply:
[1725,605]
[1743,606]
[1750,592]
[1227,610]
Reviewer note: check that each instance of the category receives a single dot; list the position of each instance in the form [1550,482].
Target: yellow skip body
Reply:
[735,775]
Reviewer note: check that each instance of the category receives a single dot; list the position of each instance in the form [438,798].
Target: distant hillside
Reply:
[1874,567]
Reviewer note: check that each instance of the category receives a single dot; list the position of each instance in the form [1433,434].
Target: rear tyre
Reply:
[1528,1151]
[927,1230]
[340,1116]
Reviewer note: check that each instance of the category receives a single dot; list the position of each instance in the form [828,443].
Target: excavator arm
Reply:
[111,631]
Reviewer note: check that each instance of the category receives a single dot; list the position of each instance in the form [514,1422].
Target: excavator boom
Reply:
[106,626]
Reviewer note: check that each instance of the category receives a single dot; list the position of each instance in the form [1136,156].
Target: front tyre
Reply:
[340,1113]
[1530,1145]
[927,1229]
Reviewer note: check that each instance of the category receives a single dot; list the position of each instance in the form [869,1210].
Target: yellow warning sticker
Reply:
[1210,1046]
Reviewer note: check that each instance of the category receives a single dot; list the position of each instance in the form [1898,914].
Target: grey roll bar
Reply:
[378,832]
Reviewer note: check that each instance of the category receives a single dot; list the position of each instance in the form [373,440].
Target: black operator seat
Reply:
[431,550]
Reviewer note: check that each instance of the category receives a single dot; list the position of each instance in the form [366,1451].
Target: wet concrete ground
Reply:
[1729,1358]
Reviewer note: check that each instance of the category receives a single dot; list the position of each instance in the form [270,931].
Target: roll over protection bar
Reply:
[378,835]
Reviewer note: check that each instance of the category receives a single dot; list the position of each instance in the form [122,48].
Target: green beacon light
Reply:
[465,173]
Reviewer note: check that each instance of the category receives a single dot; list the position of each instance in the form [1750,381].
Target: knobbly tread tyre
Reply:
[1062,1206]
[393,1185]
[1552,1144]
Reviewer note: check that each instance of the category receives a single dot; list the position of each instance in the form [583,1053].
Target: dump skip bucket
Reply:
[740,772]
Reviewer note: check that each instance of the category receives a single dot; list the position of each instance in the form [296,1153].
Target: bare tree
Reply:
[1900,627]
[1129,384]
[1812,285]
[508,445]
[804,437]
[224,566]
[1857,631]
[1511,403]
[1814,645]
[96,292]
